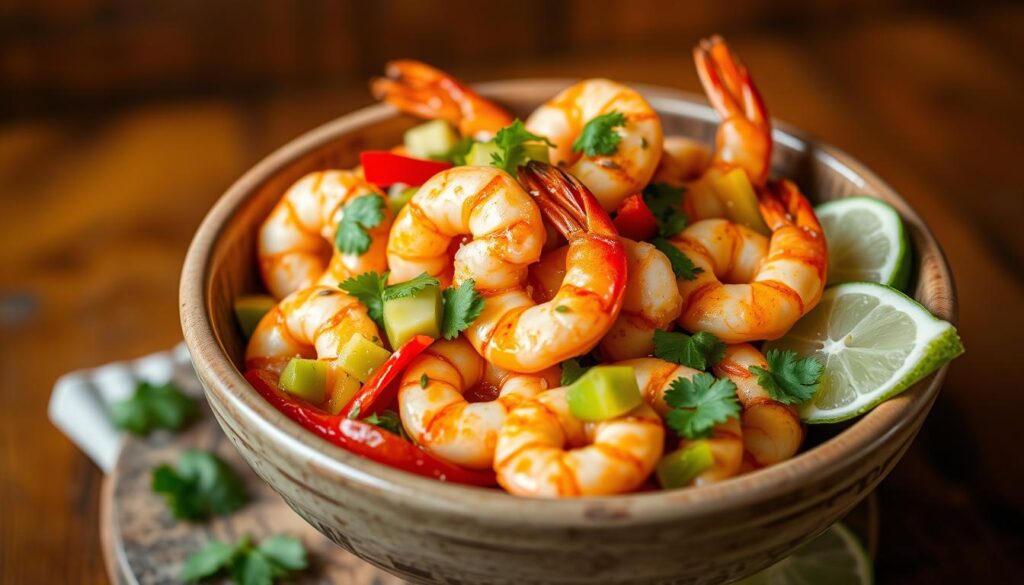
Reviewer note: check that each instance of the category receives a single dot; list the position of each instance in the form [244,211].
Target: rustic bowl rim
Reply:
[224,382]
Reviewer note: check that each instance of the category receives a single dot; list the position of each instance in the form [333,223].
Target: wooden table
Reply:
[96,212]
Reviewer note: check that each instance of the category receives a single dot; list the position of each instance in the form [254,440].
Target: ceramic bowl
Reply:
[432,532]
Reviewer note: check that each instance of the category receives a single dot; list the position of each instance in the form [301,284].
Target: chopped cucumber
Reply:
[344,388]
[480,154]
[417,314]
[398,195]
[434,138]
[737,195]
[306,379]
[249,309]
[604,392]
[534,151]
[678,468]
[361,357]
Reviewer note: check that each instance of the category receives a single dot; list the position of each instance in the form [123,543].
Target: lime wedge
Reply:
[836,557]
[875,342]
[866,242]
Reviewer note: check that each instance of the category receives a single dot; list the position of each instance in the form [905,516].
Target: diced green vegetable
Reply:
[361,357]
[419,313]
[344,388]
[249,309]
[398,195]
[430,139]
[678,468]
[481,154]
[306,379]
[737,194]
[535,151]
[604,392]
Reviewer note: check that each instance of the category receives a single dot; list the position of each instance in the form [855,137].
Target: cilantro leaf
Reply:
[361,214]
[681,264]
[252,568]
[215,556]
[388,420]
[598,136]
[788,378]
[666,204]
[572,369]
[284,552]
[457,153]
[462,305]
[277,556]
[409,287]
[698,351]
[152,407]
[510,140]
[699,404]
[202,486]
[368,288]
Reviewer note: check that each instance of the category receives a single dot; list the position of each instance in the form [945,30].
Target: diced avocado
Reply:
[249,309]
[604,392]
[398,195]
[480,154]
[430,139]
[344,388]
[417,314]
[737,195]
[534,151]
[306,379]
[361,357]
[678,468]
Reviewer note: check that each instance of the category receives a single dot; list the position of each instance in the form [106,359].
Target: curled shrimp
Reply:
[437,416]
[611,178]
[772,431]
[545,451]
[421,90]
[514,332]
[311,323]
[654,377]
[750,288]
[295,243]
[651,300]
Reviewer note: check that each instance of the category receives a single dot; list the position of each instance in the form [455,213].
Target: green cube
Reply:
[417,314]
[361,357]
[306,379]
[604,392]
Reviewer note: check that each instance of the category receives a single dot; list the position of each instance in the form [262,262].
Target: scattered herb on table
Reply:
[201,486]
[154,406]
[276,557]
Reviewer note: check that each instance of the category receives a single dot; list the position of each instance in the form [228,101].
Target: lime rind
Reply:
[895,270]
[835,556]
[935,343]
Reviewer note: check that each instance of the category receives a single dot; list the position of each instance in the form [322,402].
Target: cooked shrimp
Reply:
[514,332]
[611,178]
[295,243]
[312,323]
[437,415]
[421,90]
[682,159]
[651,300]
[744,291]
[655,377]
[772,431]
[545,451]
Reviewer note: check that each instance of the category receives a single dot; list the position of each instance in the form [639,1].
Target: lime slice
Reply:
[866,242]
[836,557]
[875,342]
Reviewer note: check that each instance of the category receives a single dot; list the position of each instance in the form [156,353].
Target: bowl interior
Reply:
[222,263]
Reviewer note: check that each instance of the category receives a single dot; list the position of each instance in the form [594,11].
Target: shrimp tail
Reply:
[564,201]
[782,203]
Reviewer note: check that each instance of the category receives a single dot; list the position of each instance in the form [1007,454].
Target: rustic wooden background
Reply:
[122,121]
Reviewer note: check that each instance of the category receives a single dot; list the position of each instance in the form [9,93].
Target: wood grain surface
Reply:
[99,201]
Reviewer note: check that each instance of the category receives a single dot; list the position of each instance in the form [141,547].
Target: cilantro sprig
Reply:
[599,136]
[682,266]
[358,216]
[510,141]
[666,204]
[202,486]
[153,406]
[698,351]
[368,288]
[789,378]
[699,404]
[462,305]
[276,557]
[408,288]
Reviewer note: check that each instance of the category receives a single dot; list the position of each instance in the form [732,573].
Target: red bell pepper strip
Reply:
[378,392]
[363,438]
[634,219]
[384,168]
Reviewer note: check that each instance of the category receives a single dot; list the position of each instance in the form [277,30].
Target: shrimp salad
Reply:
[573,304]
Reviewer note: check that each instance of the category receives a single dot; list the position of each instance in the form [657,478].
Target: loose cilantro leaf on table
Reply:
[599,136]
[368,288]
[681,264]
[153,406]
[201,486]
[510,141]
[788,378]
[408,288]
[698,351]
[275,557]
[699,404]
[462,305]
[666,204]
[361,214]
